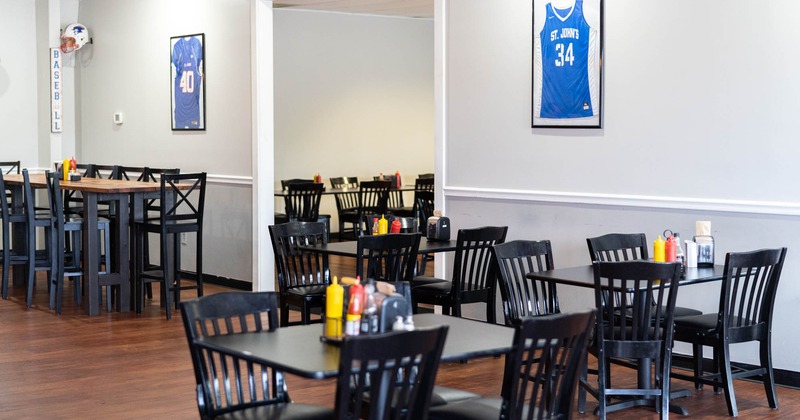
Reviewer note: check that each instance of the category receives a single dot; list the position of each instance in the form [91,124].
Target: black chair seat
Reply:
[280,411]
[425,280]
[441,287]
[478,409]
[702,322]
[444,395]
[308,292]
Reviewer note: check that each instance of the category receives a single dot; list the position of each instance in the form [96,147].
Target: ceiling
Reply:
[401,8]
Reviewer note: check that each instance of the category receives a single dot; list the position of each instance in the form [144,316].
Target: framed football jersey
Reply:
[567,63]
[187,84]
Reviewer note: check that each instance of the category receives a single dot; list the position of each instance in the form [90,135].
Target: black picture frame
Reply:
[567,71]
[187,82]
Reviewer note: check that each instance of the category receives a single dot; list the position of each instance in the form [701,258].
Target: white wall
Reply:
[353,97]
[18,83]
[127,70]
[698,125]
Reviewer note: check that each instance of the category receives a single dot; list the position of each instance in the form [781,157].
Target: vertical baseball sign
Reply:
[55,90]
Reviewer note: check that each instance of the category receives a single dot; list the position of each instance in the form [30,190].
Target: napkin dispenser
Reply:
[705,250]
[438,228]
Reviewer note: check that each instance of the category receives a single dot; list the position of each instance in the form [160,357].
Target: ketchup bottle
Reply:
[670,252]
[395,226]
[352,324]
[397,179]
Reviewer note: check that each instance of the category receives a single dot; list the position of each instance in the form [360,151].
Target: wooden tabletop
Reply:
[96,185]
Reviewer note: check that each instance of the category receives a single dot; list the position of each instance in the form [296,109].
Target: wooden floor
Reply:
[127,366]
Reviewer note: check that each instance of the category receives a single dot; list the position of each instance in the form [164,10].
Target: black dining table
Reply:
[583,276]
[350,248]
[299,350]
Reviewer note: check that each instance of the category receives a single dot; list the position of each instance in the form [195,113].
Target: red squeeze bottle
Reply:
[398,184]
[352,324]
[669,249]
[395,226]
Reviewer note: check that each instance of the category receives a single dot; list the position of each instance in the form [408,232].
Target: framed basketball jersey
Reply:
[567,63]
[187,84]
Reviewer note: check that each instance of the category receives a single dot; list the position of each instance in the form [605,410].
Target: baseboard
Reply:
[219,280]
[783,377]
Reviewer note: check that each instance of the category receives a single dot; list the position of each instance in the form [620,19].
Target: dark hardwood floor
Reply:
[127,366]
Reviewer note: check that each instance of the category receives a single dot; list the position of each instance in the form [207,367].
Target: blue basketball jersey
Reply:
[187,54]
[565,63]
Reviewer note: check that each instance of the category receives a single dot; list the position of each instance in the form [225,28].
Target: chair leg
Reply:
[727,379]
[601,388]
[306,314]
[31,266]
[284,313]
[584,378]
[768,377]
[697,364]
[165,272]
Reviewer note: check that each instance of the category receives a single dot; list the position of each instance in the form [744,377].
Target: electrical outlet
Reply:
[183,238]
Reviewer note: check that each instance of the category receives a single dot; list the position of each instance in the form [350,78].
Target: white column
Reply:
[263,144]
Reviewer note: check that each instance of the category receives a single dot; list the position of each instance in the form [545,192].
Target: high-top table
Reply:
[126,195]
[298,350]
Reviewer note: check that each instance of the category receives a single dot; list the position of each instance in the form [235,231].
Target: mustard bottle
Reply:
[65,170]
[334,308]
[383,226]
[659,253]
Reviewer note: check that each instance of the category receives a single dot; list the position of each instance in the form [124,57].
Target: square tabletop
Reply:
[300,351]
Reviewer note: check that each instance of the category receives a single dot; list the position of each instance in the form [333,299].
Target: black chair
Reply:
[73,200]
[428,175]
[344,182]
[745,314]
[388,376]
[425,207]
[347,205]
[228,386]
[302,275]
[68,259]
[132,173]
[474,278]
[11,216]
[181,212]
[521,296]
[372,201]
[626,247]
[37,259]
[389,258]
[641,339]
[302,202]
[540,374]
[10,167]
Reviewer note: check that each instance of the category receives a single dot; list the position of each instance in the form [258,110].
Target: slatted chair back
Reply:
[748,291]
[647,294]
[521,296]
[541,373]
[344,182]
[618,247]
[396,370]
[372,198]
[302,201]
[473,268]
[226,383]
[390,257]
[285,183]
[298,267]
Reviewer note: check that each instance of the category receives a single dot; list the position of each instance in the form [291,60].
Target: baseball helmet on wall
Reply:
[74,37]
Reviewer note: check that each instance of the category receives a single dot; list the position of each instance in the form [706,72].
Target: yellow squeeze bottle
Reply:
[659,253]
[383,226]
[334,308]
[65,170]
